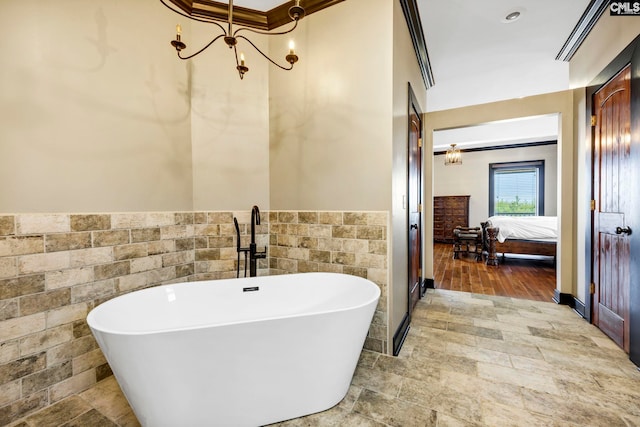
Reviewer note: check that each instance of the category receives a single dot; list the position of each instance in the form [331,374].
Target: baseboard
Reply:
[429,284]
[579,307]
[564,299]
[573,302]
[400,335]
[426,284]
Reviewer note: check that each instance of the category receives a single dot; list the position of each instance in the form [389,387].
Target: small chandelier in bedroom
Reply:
[231,37]
[453,156]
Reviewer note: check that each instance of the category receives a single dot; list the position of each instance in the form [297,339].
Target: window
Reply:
[516,188]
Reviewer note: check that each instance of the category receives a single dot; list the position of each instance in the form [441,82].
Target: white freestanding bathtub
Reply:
[237,352]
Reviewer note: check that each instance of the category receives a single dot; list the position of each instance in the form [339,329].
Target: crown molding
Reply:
[412,15]
[500,147]
[582,29]
[274,18]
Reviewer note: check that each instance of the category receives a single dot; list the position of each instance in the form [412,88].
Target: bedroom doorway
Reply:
[523,139]
[611,185]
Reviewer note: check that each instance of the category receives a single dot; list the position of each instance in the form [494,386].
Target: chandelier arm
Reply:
[235,52]
[239,64]
[263,54]
[201,50]
[266,33]
[191,17]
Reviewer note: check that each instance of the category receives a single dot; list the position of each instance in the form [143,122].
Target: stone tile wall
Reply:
[54,268]
[342,242]
[215,244]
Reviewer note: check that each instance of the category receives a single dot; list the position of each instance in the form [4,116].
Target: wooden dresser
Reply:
[449,212]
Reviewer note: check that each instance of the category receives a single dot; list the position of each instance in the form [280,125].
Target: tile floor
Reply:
[469,360]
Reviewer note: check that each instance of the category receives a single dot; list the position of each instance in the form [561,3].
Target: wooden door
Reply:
[612,186]
[414,206]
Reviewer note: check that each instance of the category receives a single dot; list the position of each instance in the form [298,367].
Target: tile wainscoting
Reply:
[54,268]
[342,242]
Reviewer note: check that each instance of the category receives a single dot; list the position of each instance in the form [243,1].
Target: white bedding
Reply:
[526,227]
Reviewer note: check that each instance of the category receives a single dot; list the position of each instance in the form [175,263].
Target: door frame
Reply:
[630,55]
[414,107]
[403,329]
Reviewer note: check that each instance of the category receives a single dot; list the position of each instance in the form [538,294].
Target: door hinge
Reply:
[419,272]
[593,205]
[592,288]
[420,207]
[594,120]
[419,142]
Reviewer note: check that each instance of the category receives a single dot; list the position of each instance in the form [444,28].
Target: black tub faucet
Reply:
[240,249]
[254,255]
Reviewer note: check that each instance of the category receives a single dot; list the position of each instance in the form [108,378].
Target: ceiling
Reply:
[261,5]
[477,56]
[505,132]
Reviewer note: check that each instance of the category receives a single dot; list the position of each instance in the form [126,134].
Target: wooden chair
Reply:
[489,239]
[467,240]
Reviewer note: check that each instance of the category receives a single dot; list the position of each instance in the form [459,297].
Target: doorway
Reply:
[559,104]
[503,142]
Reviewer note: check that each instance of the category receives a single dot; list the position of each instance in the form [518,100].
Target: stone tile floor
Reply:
[469,360]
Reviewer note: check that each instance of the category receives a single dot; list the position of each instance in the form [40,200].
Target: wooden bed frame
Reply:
[526,247]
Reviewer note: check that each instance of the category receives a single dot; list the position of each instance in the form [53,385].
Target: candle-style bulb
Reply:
[178,29]
[292,47]
[241,58]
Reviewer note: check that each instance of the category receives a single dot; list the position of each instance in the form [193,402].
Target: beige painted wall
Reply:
[95,108]
[472,177]
[558,102]
[102,116]
[230,125]
[330,135]
[338,121]
[405,69]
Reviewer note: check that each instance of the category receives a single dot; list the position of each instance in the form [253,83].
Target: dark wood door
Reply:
[414,206]
[612,186]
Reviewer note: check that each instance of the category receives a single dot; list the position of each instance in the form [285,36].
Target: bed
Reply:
[527,235]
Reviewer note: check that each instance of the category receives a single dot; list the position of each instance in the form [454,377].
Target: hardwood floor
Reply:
[533,279]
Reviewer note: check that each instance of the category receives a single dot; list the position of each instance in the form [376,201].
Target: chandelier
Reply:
[453,156]
[231,37]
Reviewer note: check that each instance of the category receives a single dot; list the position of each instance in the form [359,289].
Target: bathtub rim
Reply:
[90,318]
